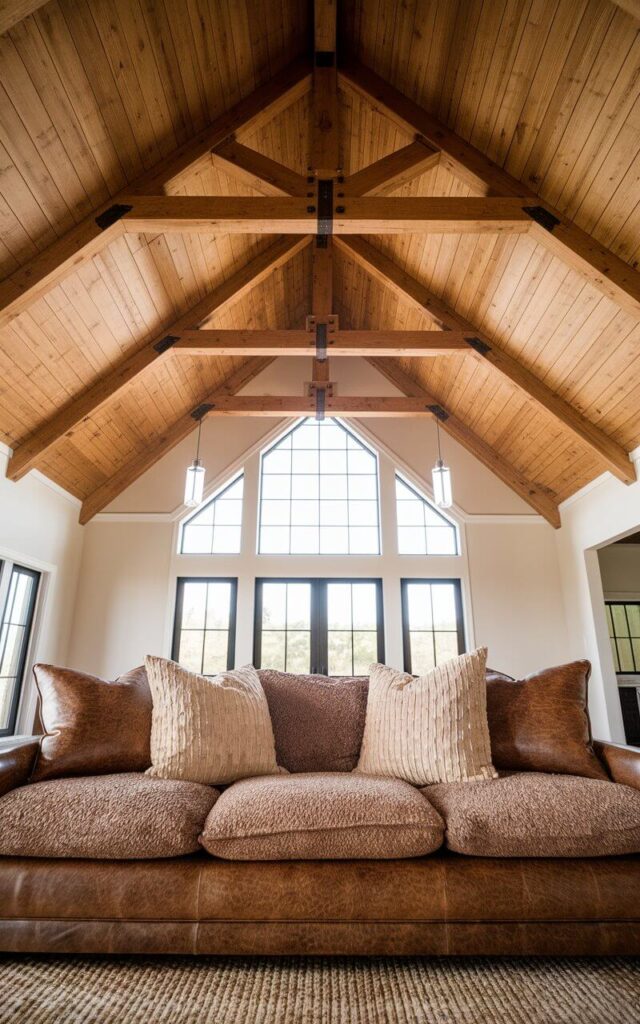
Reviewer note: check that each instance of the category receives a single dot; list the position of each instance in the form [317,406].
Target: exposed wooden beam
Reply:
[134,468]
[539,498]
[304,405]
[13,11]
[79,245]
[325,149]
[339,343]
[602,268]
[258,171]
[393,170]
[611,455]
[631,7]
[369,215]
[65,422]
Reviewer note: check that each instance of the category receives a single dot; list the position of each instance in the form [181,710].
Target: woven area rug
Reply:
[83,990]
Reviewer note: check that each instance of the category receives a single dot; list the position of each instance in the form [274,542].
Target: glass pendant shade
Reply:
[442,492]
[194,484]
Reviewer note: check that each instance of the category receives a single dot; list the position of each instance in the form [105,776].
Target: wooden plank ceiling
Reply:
[96,93]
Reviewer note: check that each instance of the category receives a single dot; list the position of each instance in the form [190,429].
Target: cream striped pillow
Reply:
[210,730]
[430,729]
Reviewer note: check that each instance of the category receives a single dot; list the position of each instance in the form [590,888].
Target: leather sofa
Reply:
[444,903]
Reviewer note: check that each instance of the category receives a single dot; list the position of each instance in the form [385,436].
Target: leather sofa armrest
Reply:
[622,763]
[17,758]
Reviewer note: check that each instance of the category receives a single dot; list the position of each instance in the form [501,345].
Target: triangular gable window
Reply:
[215,528]
[422,529]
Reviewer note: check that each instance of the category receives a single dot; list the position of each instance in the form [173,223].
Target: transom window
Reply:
[422,530]
[205,625]
[15,633]
[215,528]
[432,625]
[623,618]
[319,493]
[334,627]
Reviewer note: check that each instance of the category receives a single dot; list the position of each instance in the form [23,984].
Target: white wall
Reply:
[508,566]
[601,513]
[620,571]
[39,529]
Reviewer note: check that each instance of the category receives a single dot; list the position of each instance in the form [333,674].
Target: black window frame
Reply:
[405,583]
[319,653]
[233,614]
[18,686]
[613,638]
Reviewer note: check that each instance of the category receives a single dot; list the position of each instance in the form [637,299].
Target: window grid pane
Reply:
[422,529]
[15,632]
[432,623]
[623,620]
[319,494]
[286,626]
[216,528]
[203,639]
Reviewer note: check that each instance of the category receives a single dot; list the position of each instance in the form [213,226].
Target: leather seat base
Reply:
[441,904]
[321,938]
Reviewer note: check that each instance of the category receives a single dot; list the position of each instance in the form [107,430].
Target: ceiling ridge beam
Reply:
[608,452]
[602,268]
[128,473]
[538,497]
[81,243]
[65,422]
[392,171]
[258,171]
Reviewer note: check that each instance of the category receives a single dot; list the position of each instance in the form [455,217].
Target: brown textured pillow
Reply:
[113,817]
[541,723]
[321,816]
[92,726]
[318,721]
[530,814]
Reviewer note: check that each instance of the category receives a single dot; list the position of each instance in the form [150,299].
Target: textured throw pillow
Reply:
[429,729]
[541,723]
[92,726]
[321,816]
[211,730]
[317,721]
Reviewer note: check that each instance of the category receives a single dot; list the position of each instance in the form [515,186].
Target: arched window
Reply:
[422,529]
[215,528]
[319,493]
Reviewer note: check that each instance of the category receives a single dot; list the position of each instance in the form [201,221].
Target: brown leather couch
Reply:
[441,904]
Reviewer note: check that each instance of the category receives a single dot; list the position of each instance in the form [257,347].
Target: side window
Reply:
[15,634]
[432,625]
[205,624]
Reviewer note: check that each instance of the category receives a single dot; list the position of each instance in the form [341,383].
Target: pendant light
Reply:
[441,476]
[194,483]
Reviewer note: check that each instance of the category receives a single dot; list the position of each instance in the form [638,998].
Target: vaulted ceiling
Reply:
[99,97]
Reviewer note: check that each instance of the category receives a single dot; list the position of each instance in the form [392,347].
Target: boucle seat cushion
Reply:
[111,817]
[325,816]
[530,814]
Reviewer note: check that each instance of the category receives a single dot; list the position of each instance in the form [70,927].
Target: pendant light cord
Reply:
[438,437]
[198,441]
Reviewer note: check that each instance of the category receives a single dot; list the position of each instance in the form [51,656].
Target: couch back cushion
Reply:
[92,726]
[541,723]
[318,721]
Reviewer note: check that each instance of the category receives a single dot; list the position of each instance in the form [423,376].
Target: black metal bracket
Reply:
[439,413]
[478,345]
[542,217]
[321,342]
[320,403]
[166,342]
[325,212]
[201,410]
[113,214]
[325,58]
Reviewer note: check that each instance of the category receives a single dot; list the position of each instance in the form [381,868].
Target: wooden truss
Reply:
[327,211]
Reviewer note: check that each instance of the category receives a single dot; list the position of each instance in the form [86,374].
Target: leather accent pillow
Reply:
[318,721]
[92,726]
[531,814]
[430,728]
[323,816]
[110,817]
[541,723]
[208,729]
